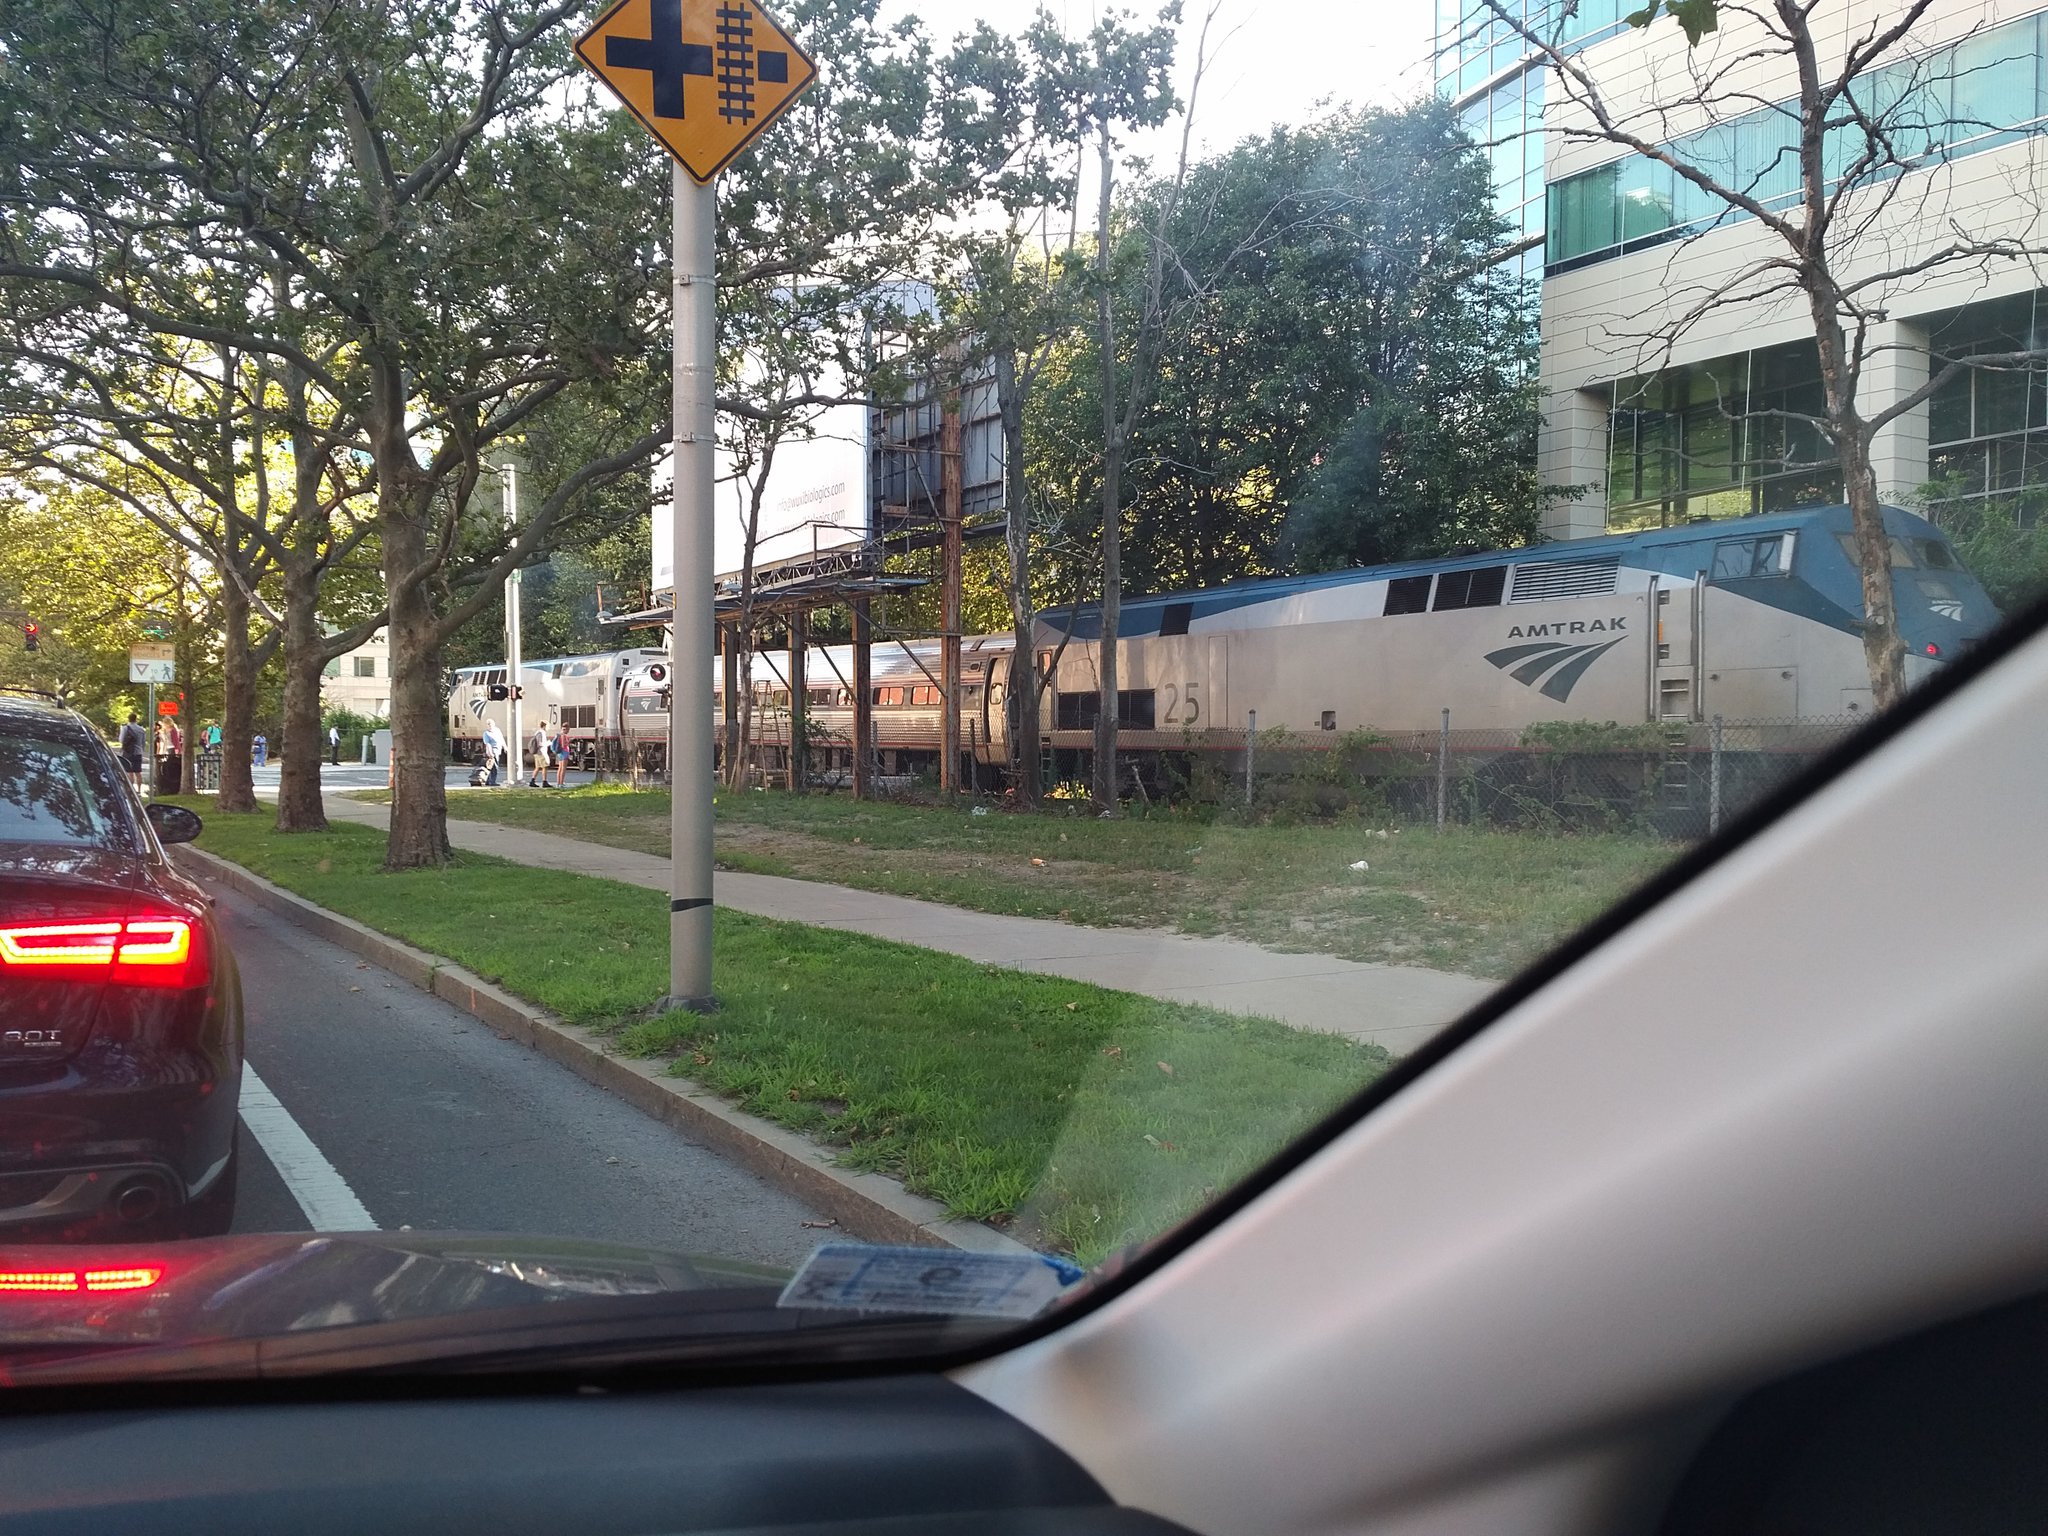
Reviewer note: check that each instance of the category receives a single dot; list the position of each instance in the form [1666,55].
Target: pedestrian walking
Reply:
[561,754]
[494,753]
[259,750]
[334,746]
[213,737]
[539,748]
[133,739]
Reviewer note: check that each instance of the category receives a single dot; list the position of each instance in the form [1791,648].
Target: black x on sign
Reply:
[703,76]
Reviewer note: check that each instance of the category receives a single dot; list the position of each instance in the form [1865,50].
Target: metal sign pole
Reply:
[690,650]
[149,742]
[514,623]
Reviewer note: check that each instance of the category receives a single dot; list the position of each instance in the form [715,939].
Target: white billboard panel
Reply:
[816,498]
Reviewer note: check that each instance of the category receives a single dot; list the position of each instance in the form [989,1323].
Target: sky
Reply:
[1270,63]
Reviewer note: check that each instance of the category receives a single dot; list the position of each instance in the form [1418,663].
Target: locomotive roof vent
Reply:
[1540,579]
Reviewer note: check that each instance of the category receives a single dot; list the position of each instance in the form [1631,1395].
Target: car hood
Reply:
[272,1287]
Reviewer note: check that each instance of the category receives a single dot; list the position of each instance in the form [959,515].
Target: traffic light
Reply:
[500,693]
[31,636]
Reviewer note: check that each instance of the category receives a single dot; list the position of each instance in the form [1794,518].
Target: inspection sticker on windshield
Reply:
[855,1277]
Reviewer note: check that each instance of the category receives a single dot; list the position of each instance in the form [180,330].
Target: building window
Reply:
[1721,439]
[1961,100]
[1987,427]
[366,666]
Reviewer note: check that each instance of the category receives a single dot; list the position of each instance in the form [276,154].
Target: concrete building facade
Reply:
[361,680]
[1676,363]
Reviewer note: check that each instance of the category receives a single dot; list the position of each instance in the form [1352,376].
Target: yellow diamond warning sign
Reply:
[704,76]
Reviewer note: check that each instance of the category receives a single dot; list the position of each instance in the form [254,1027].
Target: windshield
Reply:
[1168,565]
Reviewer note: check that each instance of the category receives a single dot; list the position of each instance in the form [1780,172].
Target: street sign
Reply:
[167,706]
[152,661]
[703,76]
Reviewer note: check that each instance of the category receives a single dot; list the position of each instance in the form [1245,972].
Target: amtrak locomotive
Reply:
[1755,618]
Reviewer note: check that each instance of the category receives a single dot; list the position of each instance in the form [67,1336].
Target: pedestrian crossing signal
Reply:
[31,636]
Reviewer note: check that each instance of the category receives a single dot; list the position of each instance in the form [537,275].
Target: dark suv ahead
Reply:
[120,1009]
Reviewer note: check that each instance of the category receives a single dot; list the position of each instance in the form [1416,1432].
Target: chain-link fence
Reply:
[1678,779]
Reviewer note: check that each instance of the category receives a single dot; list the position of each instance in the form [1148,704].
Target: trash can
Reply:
[169,773]
[206,771]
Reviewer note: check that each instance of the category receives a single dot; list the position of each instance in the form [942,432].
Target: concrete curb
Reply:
[871,1206]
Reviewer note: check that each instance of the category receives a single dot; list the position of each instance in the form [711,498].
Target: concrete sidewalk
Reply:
[1394,1006]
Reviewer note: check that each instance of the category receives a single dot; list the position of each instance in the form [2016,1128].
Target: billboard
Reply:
[815,498]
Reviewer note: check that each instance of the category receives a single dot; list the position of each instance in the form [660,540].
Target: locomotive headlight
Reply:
[1933,649]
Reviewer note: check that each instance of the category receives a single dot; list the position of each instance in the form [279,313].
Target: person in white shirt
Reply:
[334,746]
[494,752]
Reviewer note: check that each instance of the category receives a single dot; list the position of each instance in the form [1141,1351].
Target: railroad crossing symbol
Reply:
[703,76]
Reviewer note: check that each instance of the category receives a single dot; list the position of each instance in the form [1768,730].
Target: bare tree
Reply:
[1851,195]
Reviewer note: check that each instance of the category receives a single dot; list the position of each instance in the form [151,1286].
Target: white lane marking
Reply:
[323,1194]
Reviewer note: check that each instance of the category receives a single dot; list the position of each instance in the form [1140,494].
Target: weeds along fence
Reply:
[1675,779]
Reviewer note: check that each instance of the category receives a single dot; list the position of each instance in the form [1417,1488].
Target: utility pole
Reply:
[512,626]
[690,658]
[950,493]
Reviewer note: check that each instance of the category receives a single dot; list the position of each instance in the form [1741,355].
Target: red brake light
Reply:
[71,1282]
[1933,649]
[154,951]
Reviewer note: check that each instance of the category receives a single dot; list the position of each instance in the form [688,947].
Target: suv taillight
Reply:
[148,950]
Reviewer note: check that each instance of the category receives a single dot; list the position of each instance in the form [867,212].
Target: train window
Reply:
[1935,554]
[1136,710]
[1482,588]
[1174,618]
[1740,559]
[1902,552]
[1408,594]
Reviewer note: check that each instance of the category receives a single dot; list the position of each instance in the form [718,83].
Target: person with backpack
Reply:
[539,748]
[560,748]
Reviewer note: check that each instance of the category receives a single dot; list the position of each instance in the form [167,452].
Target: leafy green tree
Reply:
[1342,378]
[1023,110]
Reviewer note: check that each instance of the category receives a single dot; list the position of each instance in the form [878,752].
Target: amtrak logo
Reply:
[476,706]
[1564,665]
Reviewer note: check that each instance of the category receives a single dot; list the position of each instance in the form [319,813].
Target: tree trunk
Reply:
[1020,725]
[299,806]
[1104,789]
[1884,654]
[238,702]
[419,792]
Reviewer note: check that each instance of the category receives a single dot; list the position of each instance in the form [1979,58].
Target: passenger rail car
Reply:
[1756,618]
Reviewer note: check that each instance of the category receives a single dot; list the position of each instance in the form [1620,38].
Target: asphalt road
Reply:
[418,1116]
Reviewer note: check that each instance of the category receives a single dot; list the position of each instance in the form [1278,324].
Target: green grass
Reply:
[1483,903]
[1083,1119]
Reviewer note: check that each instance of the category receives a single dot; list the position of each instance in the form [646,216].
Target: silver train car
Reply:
[579,696]
[1749,619]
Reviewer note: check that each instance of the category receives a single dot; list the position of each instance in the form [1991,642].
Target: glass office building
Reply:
[1495,80]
